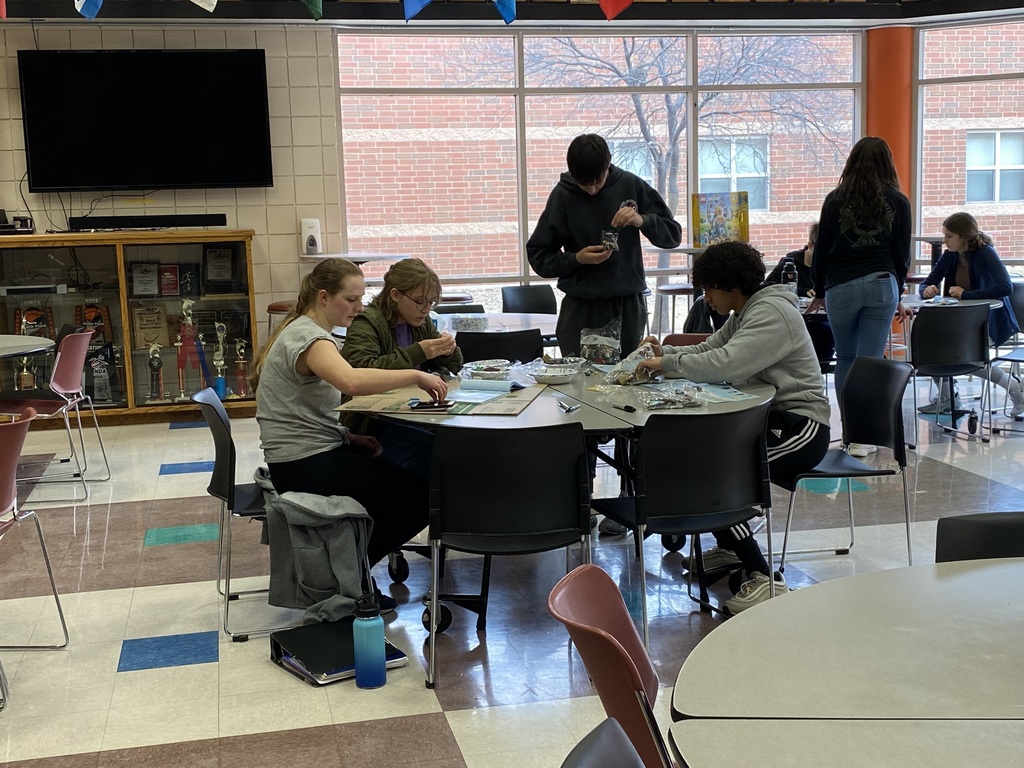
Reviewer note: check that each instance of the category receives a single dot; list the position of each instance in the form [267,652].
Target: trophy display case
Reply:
[172,312]
[46,289]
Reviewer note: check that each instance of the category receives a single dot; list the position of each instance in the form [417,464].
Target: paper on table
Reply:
[485,385]
[463,395]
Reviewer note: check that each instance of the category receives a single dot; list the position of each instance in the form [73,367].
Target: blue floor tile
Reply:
[826,485]
[168,651]
[186,467]
[180,534]
[187,424]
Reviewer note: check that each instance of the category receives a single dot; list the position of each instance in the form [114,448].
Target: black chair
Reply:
[459,309]
[538,298]
[952,341]
[696,473]
[539,501]
[237,501]
[523,346]
[1015,355]
[871,405]
[607,746]
[979,536]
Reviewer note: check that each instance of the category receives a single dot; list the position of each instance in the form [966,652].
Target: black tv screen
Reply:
[145,119]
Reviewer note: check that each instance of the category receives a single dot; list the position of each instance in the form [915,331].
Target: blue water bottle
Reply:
[368,643]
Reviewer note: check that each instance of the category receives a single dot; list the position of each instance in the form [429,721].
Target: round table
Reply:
[509,321]
[15,345]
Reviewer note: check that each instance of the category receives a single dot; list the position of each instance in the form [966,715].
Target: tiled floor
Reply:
[135,569]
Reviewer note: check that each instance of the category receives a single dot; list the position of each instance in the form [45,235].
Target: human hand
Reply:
[442,346]
[810,293]
[433,385]
[903,313]
[627,216]
[930,292]
[815,305]
[655,346]
[366,445]
[956,292]
[653,363]
[593,254]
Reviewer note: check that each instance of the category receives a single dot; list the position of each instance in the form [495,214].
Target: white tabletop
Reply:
[13,345]
[931,641]
[513,321]
[848,743]
[357,257]
[915,302]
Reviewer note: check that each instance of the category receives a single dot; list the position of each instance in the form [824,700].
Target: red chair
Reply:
[590,606]
[12,439]
[68,392]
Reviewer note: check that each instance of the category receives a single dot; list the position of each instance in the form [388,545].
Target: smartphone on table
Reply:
[431,405]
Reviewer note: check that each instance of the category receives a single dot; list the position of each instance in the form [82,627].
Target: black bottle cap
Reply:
[367,607]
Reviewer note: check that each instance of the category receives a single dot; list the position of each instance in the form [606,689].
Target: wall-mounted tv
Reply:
[145,119]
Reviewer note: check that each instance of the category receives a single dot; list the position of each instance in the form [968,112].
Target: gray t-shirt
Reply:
[295,412]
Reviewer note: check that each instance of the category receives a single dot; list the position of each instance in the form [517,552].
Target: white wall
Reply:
[301,74]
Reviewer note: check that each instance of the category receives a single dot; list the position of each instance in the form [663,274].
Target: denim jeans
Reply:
[861,313]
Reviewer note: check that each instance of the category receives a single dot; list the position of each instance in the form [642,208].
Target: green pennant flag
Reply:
[316,8]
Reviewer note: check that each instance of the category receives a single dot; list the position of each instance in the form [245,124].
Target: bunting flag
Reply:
[613,8]
[3,9]
[206,5]
[412,7]
[507,9]
[88,8]
[316,8]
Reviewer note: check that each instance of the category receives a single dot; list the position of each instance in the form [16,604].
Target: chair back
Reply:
[979,536]
[523,346]
[459,309]
[1017,300]
[711,466]
[222,483]
[872,404]
[12,440]
[538,298]
[684,339]
[607,746]
[510,491]
[590,606]
[69,365]
[949,341]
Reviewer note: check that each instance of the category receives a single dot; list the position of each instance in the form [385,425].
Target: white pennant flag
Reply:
[206,5]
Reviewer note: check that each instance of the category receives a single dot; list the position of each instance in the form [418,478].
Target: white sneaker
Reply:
[716,559]
[860,450]
[755,591]
[1017,398]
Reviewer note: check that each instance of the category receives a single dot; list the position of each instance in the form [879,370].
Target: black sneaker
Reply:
[387,603]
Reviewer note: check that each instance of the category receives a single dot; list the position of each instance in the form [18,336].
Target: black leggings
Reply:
[395,498]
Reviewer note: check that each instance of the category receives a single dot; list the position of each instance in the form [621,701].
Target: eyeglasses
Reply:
[423,305]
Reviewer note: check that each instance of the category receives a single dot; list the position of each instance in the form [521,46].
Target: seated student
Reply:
[817,322]
[299,377]
[764,341]
[395,332]
[972,269]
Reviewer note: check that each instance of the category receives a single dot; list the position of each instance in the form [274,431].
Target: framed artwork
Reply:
[220,263]
[97,318]
[189,283]
[145,279]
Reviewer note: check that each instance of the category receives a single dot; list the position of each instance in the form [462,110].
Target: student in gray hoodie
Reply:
[764,341]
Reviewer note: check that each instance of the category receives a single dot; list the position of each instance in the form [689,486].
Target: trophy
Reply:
[25,378]
[241,372]
[181,365]
[189,344]
[156,376]
[100,380]
[219,384]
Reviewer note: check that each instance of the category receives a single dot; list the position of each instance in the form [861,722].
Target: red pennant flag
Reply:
[613,8]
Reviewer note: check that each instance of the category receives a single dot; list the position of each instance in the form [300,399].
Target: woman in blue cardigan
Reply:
[972,269]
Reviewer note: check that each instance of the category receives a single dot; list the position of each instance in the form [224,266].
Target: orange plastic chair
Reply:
[684,339]
[590,606]
[12,439]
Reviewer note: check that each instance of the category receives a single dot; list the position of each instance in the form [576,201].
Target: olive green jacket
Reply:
[370,343]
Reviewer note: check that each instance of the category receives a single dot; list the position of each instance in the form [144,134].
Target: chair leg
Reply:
[5,689]
[224,521]
[21,516]
[771,552]
[906,511]
[697,566]
[435,586]
[229,596]
[485,590]
[789,523]
[639,533]
[99,438]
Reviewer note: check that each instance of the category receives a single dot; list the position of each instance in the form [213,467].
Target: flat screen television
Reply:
[145,119]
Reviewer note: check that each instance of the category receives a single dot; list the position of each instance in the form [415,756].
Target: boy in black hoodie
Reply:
[600,283]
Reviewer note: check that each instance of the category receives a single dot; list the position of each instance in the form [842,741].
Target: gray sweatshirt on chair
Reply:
[766,343]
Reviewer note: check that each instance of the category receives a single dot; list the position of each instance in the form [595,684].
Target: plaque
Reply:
[220,264]
[168,279]
[188,280]
[149,327]
[145,279]
[30,320]
[96,318]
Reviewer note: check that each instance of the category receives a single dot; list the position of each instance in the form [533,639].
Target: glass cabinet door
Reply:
[189,323]
[50,291]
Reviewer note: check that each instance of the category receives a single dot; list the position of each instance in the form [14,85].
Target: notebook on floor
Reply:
[323,653]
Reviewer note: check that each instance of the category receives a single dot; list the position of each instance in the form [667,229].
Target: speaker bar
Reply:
[160,221]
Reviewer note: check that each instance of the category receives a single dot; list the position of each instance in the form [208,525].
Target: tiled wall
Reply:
[301,73]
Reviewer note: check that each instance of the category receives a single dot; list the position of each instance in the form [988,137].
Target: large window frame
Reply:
[692,90]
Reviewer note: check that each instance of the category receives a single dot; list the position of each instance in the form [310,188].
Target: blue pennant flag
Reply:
[507,9]
[412,7]
[88,8]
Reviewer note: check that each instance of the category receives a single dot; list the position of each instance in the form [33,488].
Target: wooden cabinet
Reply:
[172,311]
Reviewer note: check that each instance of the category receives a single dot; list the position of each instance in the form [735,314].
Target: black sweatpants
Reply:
[795,444]
[577,314]
[397,499]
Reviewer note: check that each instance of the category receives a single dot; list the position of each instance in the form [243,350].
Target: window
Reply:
[735,165]
[995,166]
[632,156]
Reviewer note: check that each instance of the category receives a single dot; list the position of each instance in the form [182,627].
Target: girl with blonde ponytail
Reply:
[299,378]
